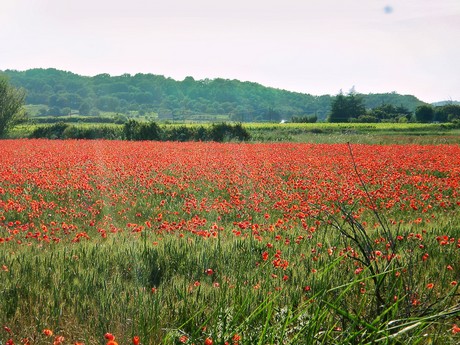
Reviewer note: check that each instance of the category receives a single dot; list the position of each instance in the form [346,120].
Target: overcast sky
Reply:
[310,46]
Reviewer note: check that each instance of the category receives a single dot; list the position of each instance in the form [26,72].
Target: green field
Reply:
[380,133]
[238,243]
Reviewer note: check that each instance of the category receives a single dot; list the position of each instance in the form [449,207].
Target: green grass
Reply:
[86,289]
[381,133]
[330,286]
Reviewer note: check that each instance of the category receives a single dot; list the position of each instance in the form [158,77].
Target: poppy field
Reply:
[106,242]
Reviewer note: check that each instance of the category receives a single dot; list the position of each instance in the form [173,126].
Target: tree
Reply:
[447,112]
[424,113]
[11,106]
[389,113]
[84,109]
[343,108]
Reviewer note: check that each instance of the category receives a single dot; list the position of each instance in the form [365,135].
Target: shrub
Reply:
[50,132]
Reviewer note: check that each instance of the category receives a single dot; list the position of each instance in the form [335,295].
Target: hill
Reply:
[443,103]
[60,92]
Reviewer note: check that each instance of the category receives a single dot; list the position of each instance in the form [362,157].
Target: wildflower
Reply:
[109,336]
[111,342]
[236,338]
[209,272]
[430,286]
[9,342]
[453,283]
[47,332]
[208,341]
[183,339]
[7,329]
[455,329]
[58,340]
[136,340]
[154,289]
[5,268]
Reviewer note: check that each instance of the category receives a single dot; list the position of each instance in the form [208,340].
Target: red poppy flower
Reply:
[109,336]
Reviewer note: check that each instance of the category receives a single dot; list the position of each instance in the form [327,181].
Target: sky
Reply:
[309,46]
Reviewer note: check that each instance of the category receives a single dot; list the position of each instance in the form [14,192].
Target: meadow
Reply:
[331,133]
[228,243]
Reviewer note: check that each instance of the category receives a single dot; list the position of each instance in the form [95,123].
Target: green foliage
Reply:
[447,112]
[93,132]
[54,131]
[62,130]
[11,103]
[424,113]
[84,108]
[375,100]
[178,100]
[344,108]
[304,119]
[79,119]
[134,130]
[376,133]
[390,113]
[225,132]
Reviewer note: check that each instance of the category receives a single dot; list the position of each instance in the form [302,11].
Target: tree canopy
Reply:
[344,108]
[11,102]
[58,91]
[424,113]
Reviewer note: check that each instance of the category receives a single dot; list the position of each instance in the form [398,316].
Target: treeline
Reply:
[79,119]
[352,108]
[62,93]
[134,130]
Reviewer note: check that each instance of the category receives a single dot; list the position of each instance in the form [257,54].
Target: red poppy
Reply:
[455,329]
[109,336]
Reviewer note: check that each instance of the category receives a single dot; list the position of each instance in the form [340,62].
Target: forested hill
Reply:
[60,91]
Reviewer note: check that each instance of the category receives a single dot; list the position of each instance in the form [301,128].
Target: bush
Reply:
[50,132]
[225,132]
[99,132]
[134,130]
[304,119]
[63,130]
